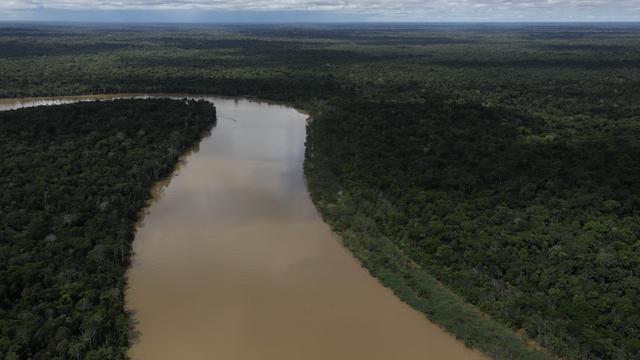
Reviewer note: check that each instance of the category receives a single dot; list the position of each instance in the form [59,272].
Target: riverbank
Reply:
[233,260]
[351,215]
[410,283]
[422,291]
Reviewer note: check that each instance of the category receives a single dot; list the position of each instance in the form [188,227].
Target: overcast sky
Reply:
[320,10]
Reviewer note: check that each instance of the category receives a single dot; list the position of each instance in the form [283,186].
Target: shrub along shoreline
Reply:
[424,293]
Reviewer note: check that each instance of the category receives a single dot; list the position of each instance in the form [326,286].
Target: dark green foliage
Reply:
[534,224]
[74,179]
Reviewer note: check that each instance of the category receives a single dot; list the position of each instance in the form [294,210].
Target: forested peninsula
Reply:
[75,179]
[488,174]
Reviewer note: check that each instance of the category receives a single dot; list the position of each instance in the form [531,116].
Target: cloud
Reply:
[419,10]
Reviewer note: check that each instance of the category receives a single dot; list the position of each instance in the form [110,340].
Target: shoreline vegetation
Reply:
[78,178]
[501,161]
[394,269]
[406,279]
[427,295]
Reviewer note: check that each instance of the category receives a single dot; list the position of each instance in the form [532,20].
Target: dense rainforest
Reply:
[74,179]
[487,164]
[528,221]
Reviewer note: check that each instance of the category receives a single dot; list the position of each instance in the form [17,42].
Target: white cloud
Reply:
[382,9]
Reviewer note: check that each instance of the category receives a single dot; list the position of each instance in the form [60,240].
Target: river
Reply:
[233,262]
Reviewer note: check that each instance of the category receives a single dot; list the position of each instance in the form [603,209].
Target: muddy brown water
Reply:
[232,261]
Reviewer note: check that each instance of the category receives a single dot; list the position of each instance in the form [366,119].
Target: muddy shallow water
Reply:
[232,261]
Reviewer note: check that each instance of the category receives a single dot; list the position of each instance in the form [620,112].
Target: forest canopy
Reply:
[74,180]
[500,160]
[534,225]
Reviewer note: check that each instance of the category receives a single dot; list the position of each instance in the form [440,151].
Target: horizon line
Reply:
[424,22]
